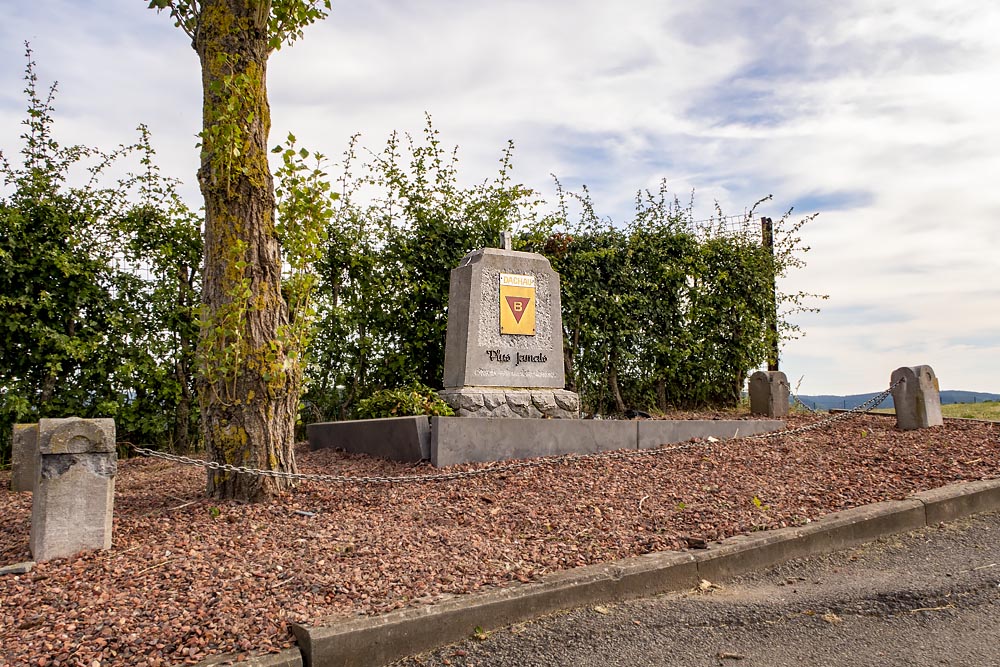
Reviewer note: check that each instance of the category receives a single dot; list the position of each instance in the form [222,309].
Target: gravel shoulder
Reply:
[190,577]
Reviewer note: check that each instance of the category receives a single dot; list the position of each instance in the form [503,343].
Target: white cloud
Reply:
[880,113]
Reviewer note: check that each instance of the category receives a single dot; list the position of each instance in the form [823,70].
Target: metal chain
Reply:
[864,408]
[802,403]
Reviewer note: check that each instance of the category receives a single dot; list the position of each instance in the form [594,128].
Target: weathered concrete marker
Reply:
[73,501]
[769,394]
[24,457]
[503,352]
[917,397]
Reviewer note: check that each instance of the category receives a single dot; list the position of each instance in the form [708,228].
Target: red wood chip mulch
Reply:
[190,577]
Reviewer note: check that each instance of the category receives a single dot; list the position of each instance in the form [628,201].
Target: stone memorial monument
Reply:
[503,351]
[504,359]
[71,510]
[917,397]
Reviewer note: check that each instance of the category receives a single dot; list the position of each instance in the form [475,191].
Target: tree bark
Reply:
[661,395]
[615,389]
[182,365]
[248,387]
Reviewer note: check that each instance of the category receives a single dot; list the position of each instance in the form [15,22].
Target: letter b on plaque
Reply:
[517,304]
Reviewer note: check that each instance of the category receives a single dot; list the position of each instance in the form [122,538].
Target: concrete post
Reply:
[769,394]
[24,457]
[917,398]
[74,487]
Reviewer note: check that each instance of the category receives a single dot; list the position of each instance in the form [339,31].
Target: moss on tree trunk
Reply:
[248,391]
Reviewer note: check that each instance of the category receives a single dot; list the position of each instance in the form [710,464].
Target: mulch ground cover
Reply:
[189,577]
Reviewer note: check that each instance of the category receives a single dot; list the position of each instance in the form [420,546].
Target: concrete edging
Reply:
[449,441]
[378,640]
[289,657]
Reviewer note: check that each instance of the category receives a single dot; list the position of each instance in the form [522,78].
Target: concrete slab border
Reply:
[379,640]
[449,441]
[397,438]
[290,657]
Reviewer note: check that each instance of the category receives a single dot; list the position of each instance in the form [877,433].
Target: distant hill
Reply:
[828,402]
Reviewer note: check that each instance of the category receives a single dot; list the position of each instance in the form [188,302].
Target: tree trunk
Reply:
[182,365]
[182,413]
[615,390]
[569,358]
[661,395]
[248,387]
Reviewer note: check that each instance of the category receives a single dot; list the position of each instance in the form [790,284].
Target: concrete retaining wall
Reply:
[473,439]
[656,432]
[453,440]
[396,438]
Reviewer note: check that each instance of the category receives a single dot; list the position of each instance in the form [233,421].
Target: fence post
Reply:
[73,501]
[769,394]
[767,241]
[917,397]
[23,457]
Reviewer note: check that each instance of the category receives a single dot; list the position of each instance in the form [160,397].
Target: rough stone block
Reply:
[471,401]
[769,393]
[512,403]
[24,457]
[917,398]
[74,487]
[544,402]
[568,401]
[494,399]
[396,438]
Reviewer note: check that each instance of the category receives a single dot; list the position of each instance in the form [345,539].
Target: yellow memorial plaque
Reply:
[517,304]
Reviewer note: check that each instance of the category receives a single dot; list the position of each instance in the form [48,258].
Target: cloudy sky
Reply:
[879,115]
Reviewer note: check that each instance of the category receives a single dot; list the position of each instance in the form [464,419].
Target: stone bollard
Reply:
[769,394]
[917,397]
[24,457]
[74,487]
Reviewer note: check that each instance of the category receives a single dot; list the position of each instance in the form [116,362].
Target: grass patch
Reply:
[985,410]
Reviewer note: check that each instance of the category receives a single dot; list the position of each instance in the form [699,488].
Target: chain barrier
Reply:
[864,408]
[798,400]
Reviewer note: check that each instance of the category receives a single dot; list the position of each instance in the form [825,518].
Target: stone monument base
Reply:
[452,440]
[504,402]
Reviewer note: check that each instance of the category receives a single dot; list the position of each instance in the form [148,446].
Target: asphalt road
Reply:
[931,597]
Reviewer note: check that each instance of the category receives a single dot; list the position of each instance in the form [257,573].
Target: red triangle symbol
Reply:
[518,305]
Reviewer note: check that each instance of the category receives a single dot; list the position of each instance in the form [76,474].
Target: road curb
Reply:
[290,657]
[746,553]
[957,500]
[378,640]
[382,639]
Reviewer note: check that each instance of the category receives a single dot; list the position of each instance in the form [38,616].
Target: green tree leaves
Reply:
[657,313]
[402,223]
[97,286]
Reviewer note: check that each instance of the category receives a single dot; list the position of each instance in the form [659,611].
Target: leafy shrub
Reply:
[658,312]
[417,399]
[98,287]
